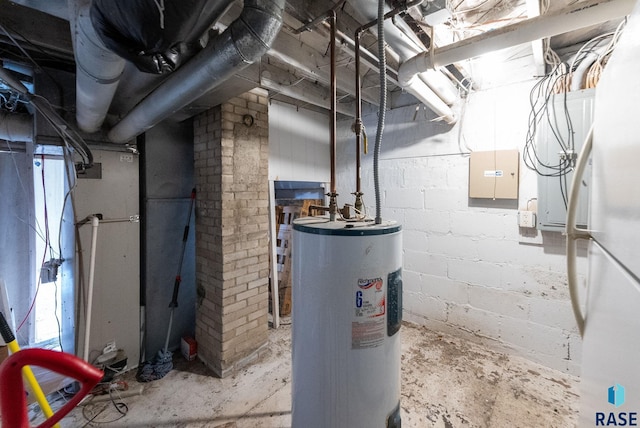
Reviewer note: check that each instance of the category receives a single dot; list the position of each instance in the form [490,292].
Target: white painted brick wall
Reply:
[421,262]
[403,198]
[444,289]
[458,248]
[431,220]
[415,240]
[467,269]
[499,301]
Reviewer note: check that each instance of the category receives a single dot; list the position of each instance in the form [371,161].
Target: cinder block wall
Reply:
[469,269]
[232,259]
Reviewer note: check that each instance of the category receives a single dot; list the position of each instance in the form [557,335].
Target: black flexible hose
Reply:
[382,63]
[5,330]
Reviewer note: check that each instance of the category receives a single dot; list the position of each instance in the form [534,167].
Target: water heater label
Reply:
[368,326]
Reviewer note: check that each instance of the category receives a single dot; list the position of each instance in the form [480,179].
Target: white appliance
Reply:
[610,379]
[347,312]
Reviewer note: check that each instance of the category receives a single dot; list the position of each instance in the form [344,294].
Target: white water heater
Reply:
[347,312]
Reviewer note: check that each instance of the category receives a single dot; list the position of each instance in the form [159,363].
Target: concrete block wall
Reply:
[232,259]
[468,268]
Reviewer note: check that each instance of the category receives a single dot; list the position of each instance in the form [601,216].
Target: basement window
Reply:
[36,229]
[49,196]
[298,190]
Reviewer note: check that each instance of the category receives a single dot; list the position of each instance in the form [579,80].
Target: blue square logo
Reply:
[616,395]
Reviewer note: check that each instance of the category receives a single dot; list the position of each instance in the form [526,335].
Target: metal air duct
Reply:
[245,41]
[98,71]
[16,127]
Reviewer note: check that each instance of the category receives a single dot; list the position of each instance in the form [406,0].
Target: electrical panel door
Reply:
[561,136]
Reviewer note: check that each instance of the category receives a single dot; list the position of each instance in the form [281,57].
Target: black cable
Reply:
[539,99]
[562,193]
[120,406]
[87,418]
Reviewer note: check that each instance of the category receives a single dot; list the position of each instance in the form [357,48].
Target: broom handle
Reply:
[185,235]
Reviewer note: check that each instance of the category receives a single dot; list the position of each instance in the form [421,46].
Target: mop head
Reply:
[157,369]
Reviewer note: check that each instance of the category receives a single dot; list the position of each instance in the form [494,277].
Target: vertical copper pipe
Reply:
[358,124]
[332,21]
[330,15]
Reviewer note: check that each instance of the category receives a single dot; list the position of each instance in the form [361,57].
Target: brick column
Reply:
[232,258]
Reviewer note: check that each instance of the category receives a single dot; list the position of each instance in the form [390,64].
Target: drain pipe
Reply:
[95,222]
[330,16]
[98,71]
[580,15]
[245,41]
[16,127]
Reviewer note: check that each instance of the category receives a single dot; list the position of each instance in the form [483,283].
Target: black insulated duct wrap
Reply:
[155,35]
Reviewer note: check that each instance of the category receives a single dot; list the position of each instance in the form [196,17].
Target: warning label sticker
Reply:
[368,325]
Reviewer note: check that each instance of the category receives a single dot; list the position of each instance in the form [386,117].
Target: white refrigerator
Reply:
[610,378]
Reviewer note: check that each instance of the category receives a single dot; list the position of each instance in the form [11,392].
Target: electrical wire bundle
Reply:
[560,125]
[42,105]
[69,136]
[588,61]
[17,94]
[593,75]
[91,411]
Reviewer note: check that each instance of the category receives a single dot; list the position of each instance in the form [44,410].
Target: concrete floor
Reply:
[446,382]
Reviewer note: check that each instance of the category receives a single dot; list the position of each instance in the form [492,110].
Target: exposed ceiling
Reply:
[296,68]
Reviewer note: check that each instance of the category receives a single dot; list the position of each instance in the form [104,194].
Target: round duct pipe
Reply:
[245,41]
[98,71]
[16,127]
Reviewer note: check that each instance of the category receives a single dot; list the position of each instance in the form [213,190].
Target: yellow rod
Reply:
[33,384]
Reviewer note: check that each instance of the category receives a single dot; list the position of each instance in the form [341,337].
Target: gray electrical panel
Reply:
[561,135]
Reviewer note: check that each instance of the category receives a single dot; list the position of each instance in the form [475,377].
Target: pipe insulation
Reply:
[16,127]
[98,71]
[245,41]
[418,88]
[574,17]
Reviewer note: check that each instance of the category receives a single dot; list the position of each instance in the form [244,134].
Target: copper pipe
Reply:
[330,15]
[358,125]
[317,208]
